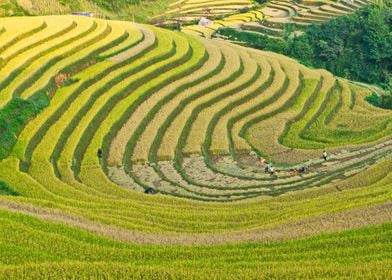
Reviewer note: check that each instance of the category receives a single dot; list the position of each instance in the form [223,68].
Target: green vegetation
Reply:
[14,116]
[140,10]
[345,45]
[6,190]
[115,5]
[382,101]
[12,8]
[253,40]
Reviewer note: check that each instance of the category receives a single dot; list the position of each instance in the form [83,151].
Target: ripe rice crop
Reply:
[133,107]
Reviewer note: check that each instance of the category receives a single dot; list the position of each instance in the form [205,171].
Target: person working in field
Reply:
[261,161]
[272,170]
[325,155]
[303,169]
[100,153]
[267,167]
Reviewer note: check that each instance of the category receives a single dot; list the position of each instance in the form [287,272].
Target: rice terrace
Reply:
[196,139]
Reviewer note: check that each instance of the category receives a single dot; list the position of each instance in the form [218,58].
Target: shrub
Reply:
[14,116]
[6,190]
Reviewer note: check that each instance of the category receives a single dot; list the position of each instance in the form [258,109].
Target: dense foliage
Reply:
[12,8]
[117,5]
[356,46]
[14,116]
[6,190]
[383,101]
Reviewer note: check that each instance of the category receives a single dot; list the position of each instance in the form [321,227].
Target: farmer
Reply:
[149,191]
[267,167]
[325,155]
[100,153]
[261,161]
[272,170]
[303,169]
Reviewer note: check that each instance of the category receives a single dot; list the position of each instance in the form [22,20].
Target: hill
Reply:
[137,10]
[188,117]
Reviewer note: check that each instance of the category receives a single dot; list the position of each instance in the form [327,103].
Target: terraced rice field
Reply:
[229,21]
[282,13]
[187,117]
[186,10]
[274,17]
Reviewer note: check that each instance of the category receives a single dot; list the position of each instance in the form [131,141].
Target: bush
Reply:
[386,101]
[6,190]
[14,116]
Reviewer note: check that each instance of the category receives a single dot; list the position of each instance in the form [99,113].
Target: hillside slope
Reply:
[140,11]
[124,9]
[187,117]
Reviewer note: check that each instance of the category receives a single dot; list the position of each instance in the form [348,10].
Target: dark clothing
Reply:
[149,191]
